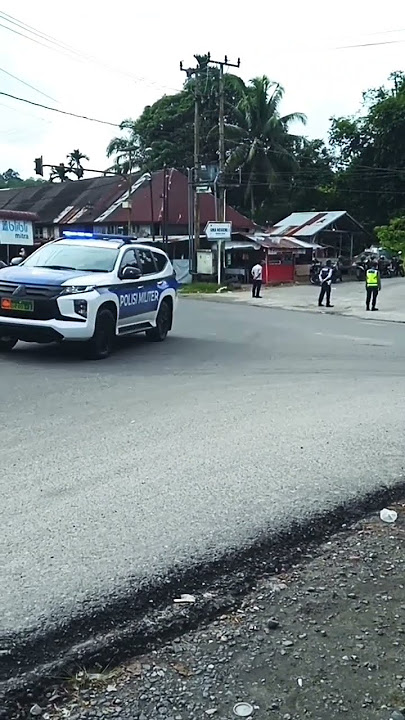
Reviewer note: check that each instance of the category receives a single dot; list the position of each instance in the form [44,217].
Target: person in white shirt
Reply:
[257,275]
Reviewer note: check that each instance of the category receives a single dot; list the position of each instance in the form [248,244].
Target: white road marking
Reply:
[361,340]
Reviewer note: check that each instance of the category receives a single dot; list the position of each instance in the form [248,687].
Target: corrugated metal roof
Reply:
[52,200]
[283,243]
[117,204]
[306,224]
[15,215]
[177,201]
[99,200]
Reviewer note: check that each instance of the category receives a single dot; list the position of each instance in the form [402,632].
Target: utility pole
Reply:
[190,72]
[221,127]
[165,197]
[129,190]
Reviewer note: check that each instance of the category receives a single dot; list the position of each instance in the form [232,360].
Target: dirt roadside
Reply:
[325,639]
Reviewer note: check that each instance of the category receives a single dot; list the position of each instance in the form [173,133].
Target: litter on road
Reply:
[243,709]
[185,598]
[388,516]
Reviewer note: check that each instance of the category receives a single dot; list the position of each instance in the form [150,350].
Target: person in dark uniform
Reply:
[325,279]
[373,285]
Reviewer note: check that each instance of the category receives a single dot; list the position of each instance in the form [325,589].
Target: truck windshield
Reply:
[59,256]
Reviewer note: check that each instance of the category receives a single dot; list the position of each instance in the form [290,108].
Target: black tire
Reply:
[101,344]
[7,344]
[163,324]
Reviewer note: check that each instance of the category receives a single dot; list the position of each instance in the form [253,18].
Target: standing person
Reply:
[325,278]
[257,275]
[373,285]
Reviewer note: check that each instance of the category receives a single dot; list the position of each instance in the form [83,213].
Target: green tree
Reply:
[164,133]
[369,154]
[11,179]
[392,236]
[310,185]
[260,142]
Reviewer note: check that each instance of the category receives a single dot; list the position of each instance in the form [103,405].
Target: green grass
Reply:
[194,288]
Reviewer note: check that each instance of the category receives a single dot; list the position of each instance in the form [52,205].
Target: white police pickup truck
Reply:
[89,288]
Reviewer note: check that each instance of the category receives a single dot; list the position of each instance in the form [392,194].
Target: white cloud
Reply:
[292,43]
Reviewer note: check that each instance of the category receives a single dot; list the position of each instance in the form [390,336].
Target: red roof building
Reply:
[101,204]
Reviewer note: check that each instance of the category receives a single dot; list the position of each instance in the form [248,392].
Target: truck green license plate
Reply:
[19,305]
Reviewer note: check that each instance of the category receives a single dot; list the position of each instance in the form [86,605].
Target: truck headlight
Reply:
[75,289]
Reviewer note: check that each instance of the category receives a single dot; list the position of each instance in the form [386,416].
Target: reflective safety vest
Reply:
[372,278]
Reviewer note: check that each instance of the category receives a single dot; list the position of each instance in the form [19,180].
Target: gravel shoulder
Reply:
[323,638]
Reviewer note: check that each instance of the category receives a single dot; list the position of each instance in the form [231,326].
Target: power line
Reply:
[387,32]
[62,112]
[27,84]
[24,112]
[316,187]
[369,44]
[372,173]
[67,50]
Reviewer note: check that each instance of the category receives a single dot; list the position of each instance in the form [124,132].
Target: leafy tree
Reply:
[369,154]
[11,176]
[309,186]
[392,236]
[11,179]
[164,133]
[260,141]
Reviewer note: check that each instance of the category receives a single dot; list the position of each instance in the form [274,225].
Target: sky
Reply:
[124,57]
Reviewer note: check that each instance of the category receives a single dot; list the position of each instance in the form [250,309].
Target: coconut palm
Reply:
[75,162]
[127,149]
[259,141]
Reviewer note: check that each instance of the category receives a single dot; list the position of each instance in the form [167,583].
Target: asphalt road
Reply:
[245,418]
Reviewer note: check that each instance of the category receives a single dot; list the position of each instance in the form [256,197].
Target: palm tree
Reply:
[259,141]
[127,149]
[75,162]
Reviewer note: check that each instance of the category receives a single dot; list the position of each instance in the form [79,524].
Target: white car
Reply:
[89,288]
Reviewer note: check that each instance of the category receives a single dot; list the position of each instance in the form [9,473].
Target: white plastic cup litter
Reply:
[388,516]
[243,709]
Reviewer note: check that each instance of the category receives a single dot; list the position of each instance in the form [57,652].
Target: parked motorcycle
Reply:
[360,270]
[398,267]
[337,273]
[314,271]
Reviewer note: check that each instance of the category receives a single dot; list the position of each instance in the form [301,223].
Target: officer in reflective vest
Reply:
[373,286]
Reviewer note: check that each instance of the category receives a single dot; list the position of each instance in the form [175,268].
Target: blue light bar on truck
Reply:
[72,234]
